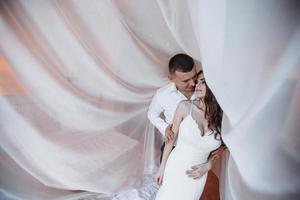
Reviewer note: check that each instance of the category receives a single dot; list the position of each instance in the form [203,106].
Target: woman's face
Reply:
[200,89]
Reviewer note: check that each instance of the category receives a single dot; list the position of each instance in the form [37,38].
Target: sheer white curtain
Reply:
[251,58]
[89,69]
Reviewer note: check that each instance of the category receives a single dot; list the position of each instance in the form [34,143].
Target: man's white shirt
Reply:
[165,101]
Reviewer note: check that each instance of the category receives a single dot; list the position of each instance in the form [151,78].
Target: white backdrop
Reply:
[90,68]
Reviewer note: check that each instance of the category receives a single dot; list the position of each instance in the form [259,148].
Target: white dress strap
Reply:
[191,107]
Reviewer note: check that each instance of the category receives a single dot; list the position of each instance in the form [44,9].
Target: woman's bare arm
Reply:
[178,117]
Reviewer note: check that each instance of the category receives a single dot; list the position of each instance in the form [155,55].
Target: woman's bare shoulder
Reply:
[184,106]
[185,103]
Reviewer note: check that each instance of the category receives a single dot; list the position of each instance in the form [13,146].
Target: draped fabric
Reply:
[77,78]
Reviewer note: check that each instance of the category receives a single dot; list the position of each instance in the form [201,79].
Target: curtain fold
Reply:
[77,78]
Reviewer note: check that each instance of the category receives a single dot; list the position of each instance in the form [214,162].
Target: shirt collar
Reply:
[173,87]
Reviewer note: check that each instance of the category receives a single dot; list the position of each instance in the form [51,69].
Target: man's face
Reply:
[185,81]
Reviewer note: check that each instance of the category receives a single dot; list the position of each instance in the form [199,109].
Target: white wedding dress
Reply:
[191,149]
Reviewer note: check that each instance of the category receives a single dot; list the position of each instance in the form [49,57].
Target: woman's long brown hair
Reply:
[213,112]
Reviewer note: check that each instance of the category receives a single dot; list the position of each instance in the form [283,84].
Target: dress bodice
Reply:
[190,137]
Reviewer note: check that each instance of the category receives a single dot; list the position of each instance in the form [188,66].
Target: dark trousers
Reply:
[162,151]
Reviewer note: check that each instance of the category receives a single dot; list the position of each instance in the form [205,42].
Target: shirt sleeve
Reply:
[154,112]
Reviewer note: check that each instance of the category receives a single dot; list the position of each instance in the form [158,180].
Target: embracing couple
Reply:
[191,126]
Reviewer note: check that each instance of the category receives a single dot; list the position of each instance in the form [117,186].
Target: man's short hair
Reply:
[181,62]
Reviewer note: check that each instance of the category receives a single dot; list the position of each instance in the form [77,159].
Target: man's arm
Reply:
[154,112]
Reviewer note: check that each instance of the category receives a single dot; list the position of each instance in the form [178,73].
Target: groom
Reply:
[183,76]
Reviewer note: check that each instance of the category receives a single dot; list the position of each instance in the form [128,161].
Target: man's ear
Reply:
[171,77]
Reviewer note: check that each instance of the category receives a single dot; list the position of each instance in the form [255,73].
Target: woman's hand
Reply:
[159,175]
[198,171]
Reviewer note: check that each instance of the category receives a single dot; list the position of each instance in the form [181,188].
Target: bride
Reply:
[197,128]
